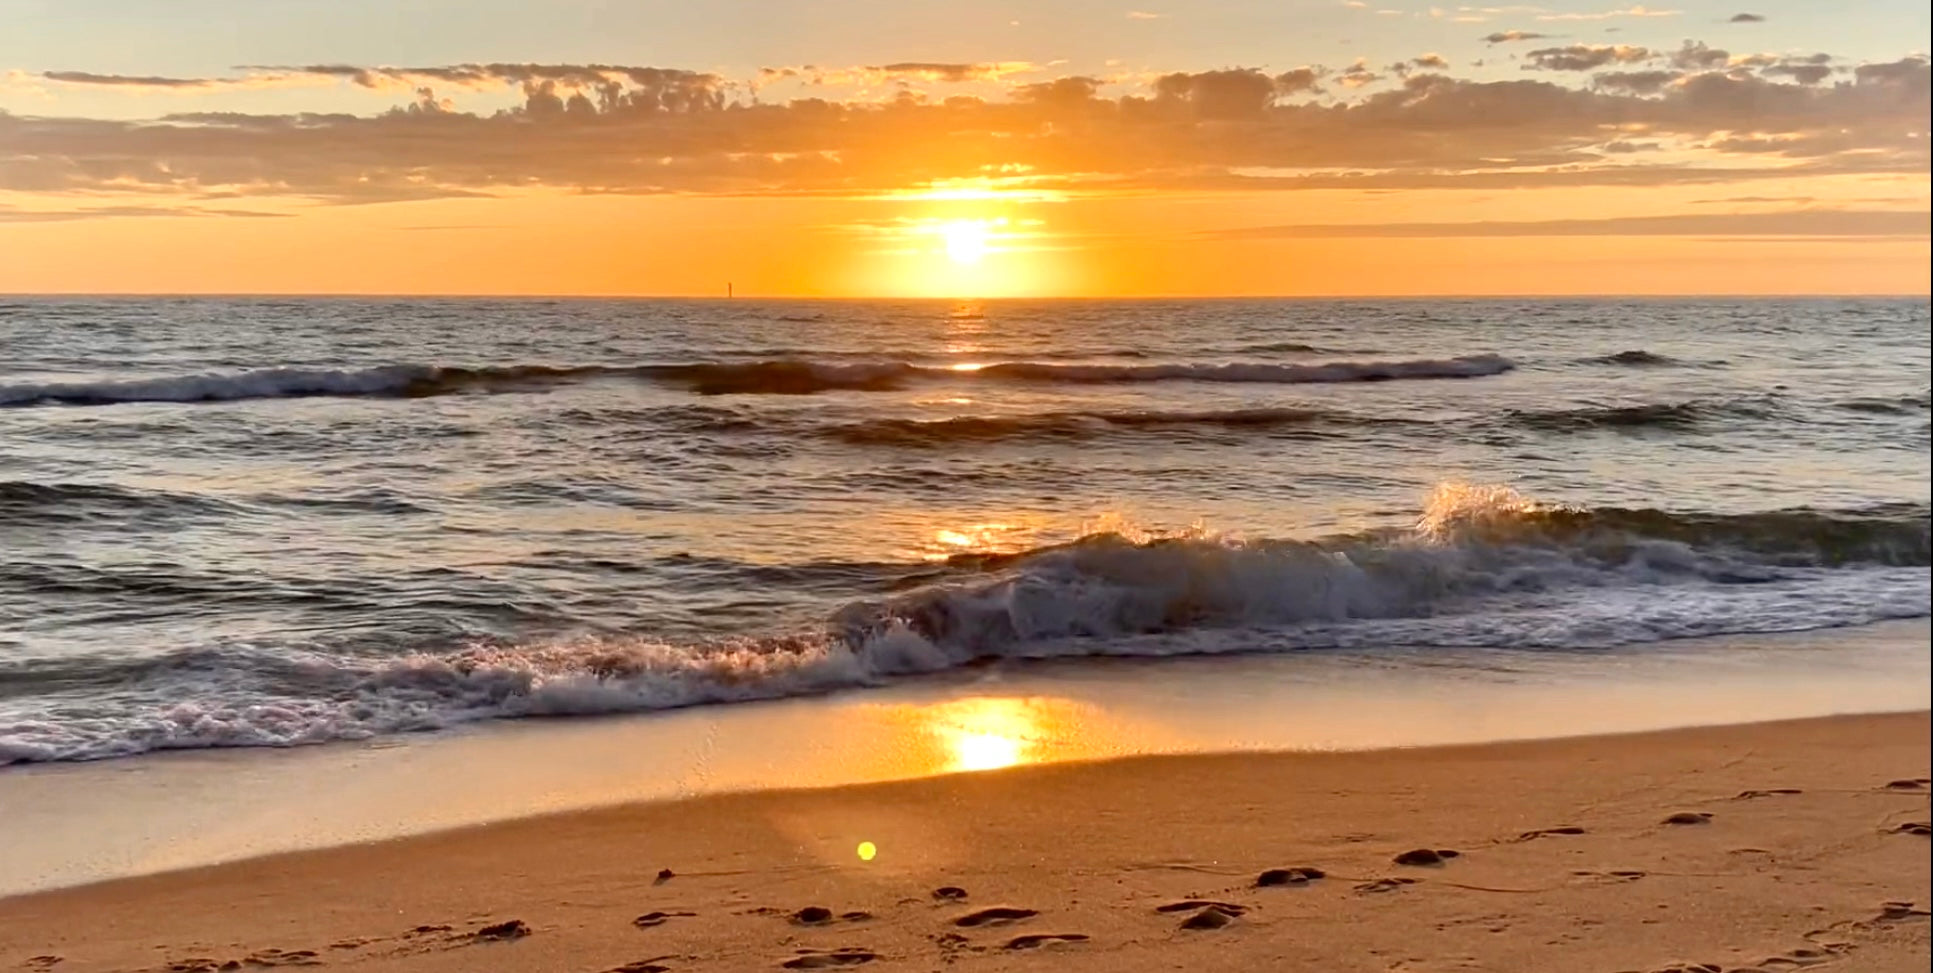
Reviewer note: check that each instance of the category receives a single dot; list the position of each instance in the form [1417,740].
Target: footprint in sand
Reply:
[828,959]
[45,962]
[818,915]
[1616,875]
[1768,792]
[1188,905]
[650,919]
[1289,876]
[1907,784]
[1210,917]
[1385,884]
[504,931]
[1425,856]
[949,893]
[1037,940]
[653,965]
[1921,828]
[995,915]
[1900,912]
[1548,832]
[1690,817]
[1805,956]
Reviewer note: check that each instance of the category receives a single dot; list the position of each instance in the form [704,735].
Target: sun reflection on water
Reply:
[990,732]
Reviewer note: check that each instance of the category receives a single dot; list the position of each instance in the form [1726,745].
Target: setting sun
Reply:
[967,241]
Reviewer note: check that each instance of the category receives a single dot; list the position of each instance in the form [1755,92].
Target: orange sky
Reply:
[1541,161]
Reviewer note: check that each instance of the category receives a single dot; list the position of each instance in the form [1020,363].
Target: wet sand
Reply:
[1769,846]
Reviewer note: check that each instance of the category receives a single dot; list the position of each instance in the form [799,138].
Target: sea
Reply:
[263,522]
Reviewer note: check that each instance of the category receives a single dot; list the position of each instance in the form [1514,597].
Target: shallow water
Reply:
[250,522]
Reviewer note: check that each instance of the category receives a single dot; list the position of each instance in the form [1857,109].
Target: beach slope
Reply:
[1773,846]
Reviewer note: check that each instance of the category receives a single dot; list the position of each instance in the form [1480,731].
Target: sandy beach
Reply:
[1770,846]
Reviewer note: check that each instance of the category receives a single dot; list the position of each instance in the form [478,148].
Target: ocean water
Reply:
[255,522]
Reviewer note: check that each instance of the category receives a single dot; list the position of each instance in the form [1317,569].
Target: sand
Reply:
[1801,845]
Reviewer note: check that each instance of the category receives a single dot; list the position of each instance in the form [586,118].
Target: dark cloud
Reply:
[1802,71]
[1298,81]
[1584,57]
[1808,223]
[604,129]
[125,80]
[1696,55]
[1510,36]
[1747,19]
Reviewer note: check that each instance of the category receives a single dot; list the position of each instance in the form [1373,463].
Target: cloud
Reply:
[1747,19]
[639,130]
[1797,223]
[1806,70]
[1510,36]
[1696,55]
[1635,82]
[1298,81]
[153,83]
[13,214]
[1144,15]
[1638,11]
[1583,57]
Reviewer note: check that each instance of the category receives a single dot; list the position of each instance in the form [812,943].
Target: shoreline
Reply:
[79,823]
[1801,849]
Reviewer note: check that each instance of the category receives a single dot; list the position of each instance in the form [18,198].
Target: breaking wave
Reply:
[1063,425]
[775,377]
[1482,566]
[1655,415]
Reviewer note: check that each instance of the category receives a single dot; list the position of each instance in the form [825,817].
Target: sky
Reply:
[932,148]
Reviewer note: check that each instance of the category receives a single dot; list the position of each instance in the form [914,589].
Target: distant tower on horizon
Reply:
[728,289]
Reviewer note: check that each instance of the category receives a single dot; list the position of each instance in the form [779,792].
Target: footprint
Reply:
[1210,917]
[844,956]
[1912,784]
[640,966]
[1289,876]
[503,931]
[1385,884]
[1186,905]
[665,875]
[949,893]
[1897,911]
[277,957]
[995,915]
[1425,856]
[650,919]
[1036,940]
[44,962]
[1690,817]
[812,915]
[1768,792]
[1921,828]
[1545,832]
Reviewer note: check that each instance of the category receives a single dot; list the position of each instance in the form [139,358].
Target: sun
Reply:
[967,241]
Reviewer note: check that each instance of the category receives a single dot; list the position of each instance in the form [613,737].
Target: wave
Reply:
[1901,405]
[1637,356]
[1686,415]
[774,377]
[382,381]
[1481,567]
[1061,425]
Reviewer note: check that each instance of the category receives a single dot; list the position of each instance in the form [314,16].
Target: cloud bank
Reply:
[1590,115]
